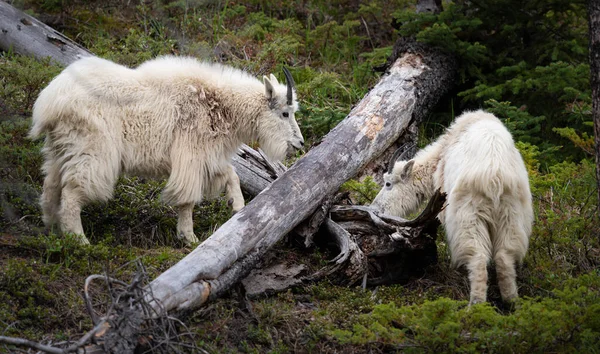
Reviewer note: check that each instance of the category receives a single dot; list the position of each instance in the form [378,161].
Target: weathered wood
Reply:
[366,213]
[23,34]
[396,249]
[311,225]
[254,170]
[411,85]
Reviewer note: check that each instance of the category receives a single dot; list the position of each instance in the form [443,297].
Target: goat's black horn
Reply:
[400,154]
[290,85]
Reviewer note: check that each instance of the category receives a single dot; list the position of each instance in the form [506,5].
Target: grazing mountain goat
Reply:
[489,213]
[175,117]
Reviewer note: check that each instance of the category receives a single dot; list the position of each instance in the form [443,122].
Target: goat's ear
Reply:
[269,89]
[407,170]
[273,79]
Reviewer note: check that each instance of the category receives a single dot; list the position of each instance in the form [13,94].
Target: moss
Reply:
[21,80]
[560,323]
[29,302]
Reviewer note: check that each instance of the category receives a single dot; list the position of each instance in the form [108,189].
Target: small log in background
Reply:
[413,82]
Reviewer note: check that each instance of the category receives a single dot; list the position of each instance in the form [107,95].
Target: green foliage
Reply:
[27,293]
[134,47]
[583,141]
[20,157]
[21,80]
[362,192]
[559,323]
[522,125]
[41,281]
[323,94]
[563,240]
[527,62]
[20,175]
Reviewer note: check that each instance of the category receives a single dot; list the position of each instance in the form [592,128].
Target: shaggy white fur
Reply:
[172,116]
[489,213]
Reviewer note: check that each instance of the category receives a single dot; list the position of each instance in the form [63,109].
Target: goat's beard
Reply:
[387,203]
[275,151]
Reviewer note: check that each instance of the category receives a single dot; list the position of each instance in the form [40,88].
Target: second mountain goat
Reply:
[489,213]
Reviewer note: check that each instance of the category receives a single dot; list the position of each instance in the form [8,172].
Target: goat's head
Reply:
[402,191]
[279,134]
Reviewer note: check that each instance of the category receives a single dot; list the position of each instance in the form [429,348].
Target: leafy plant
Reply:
[362,192]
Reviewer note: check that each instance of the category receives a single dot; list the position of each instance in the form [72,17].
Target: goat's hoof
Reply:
[510,300]
[476,301]
[83,241]
[188,239]
[235,206]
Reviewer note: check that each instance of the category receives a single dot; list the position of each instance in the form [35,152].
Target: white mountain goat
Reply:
[171,117]
[489,213]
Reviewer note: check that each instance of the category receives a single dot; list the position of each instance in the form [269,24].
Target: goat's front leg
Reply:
[233,190]
[185,224]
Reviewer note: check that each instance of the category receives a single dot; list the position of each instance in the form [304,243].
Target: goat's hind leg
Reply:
[90,174]
[478,278]
[510,245]
[507,275]
[51,194]
[469,242]
[70,211]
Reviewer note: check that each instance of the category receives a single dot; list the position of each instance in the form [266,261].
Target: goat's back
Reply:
[481,157]
[80,86]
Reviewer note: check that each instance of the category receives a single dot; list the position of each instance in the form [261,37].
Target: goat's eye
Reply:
[285,114]
[388,184]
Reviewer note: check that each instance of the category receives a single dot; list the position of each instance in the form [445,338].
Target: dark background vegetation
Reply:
[525,61]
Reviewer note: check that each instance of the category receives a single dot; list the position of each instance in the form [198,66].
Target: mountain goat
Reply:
[489,213]
[172,117]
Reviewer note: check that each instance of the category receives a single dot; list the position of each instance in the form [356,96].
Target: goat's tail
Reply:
[49,106]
